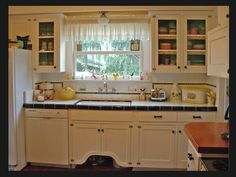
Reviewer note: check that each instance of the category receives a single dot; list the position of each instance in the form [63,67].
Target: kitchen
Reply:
[128,83]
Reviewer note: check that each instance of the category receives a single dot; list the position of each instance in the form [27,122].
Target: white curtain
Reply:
[74,30]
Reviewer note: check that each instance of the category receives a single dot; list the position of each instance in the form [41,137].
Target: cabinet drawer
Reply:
[196,116]
[155,116]
[98,115]
[57,113]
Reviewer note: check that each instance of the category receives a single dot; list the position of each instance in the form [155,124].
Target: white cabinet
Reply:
[193,158]
[180,43]
[47,38]
[46,136]
[20,25]
[49,44]
[218,52]
[156,145]
[181,147]
[155,139]
[223,15]
[95,133]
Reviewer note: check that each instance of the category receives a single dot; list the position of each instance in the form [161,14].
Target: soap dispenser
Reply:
[175,93]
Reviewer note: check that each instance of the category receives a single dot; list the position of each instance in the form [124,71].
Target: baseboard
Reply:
[158,169]
[50,165]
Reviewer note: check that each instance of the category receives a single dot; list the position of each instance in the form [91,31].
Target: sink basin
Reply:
[104,102]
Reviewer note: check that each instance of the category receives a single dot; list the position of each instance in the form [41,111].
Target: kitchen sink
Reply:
[105,102]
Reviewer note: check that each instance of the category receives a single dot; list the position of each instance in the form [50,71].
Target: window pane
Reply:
[124,64]
[114,45]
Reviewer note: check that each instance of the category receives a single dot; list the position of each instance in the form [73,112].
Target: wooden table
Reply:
[206,136]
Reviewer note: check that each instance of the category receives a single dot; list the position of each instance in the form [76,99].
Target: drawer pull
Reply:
[157,117]
[139,126]
[197,117]
[130,163]
[130,126]
[32,110]
[138,163]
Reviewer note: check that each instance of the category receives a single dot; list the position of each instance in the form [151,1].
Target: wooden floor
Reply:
[105,165]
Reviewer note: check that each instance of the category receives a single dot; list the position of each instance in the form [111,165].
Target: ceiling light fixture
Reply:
[103,19]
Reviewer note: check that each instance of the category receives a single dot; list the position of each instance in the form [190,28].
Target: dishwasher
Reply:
[46,133]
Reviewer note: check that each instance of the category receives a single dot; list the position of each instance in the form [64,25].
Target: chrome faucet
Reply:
[105,86]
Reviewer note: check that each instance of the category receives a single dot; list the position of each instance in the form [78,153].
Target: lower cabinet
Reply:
[181,147]
[156,145]
[100,138]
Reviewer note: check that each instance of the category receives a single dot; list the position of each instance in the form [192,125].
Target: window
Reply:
[106,57]
[118,47]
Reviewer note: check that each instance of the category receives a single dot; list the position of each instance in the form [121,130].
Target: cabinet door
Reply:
[47,140]
[116,141]
[218,52]
[49,48]
[195,28]
[20,26]
[182,148]
[167,45]
[156,145]
[85,140]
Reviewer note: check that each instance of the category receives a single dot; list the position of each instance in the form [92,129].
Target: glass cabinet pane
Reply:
[46,28]
[196,42]
[167,42]
[46,44]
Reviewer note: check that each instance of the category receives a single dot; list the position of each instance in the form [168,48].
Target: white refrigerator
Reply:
[19,80]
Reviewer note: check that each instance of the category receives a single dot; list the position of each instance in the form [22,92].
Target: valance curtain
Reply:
[75,31]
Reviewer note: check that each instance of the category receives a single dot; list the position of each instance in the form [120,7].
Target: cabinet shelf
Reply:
[196,52]
[167,51]
[45,37]
[167,36]
[196,36]
[44,51]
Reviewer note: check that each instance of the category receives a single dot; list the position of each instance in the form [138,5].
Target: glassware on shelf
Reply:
[50,46]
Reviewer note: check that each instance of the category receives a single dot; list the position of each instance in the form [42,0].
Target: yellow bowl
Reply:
[66,94]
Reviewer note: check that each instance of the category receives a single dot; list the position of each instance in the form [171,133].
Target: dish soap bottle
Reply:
[175,93]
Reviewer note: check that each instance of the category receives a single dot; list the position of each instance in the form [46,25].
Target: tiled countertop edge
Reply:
[137,108]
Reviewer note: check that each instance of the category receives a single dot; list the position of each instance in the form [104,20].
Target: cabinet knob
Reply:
[185,67]
[130,163]
[138,163]
[154,69]
[99,130]
[55,67]
[178,67]
[227,15]
[131,126]
[139,126]
[102,130]
[173,131]
[71,125]
[35,19]
[180,131]
[35,69]
[72,160]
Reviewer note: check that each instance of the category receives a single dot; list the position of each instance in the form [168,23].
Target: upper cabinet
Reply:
[46,36]
[180,43]
[218,52]
[49,46]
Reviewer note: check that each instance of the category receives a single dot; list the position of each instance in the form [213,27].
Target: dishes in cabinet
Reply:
[199,46]
[165,46]
[163,30]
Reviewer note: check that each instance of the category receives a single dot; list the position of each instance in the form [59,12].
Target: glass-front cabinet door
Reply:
[48,48]
[195,28]
[167,45]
